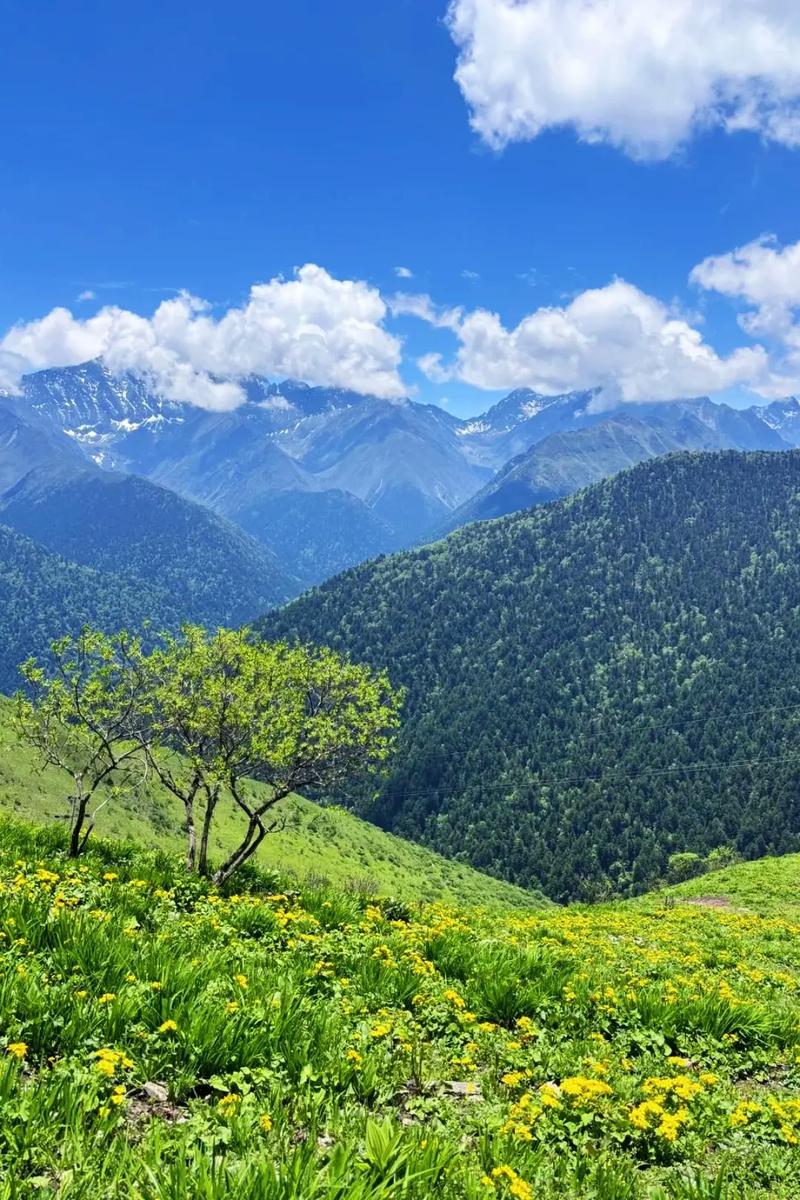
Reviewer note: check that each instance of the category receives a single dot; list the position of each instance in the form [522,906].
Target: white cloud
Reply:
[404,273]
[766,277]
[312,327]
[277,403]
[616,337]
[643,75]
[470,275]
[762,273]
[433,366]
[410,304]
[87,295]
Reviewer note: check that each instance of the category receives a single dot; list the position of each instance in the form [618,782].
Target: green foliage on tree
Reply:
[595,684]
[208,714]
[85,714]
[683,865]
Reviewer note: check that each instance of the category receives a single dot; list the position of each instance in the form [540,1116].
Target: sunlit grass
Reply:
[158,1039]
[315,844]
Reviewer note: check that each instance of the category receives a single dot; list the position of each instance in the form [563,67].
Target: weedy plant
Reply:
[159,1040]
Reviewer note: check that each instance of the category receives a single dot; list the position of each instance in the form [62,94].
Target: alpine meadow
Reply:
[400,601]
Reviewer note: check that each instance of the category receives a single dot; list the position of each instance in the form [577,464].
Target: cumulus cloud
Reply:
[765,277]
[312,327]
[643,75]
[616,337]
[88,294]
[763,274]
[404,273]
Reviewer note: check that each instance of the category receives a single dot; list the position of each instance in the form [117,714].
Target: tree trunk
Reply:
[208,816]
[253,839]
[191,835]
[77,842]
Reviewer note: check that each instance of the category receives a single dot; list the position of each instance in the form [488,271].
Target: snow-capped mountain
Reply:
[349,475]
[571,458]
[89,403]
[784,417]
[519,420]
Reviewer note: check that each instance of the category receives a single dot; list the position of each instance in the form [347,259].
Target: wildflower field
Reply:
[160,1040]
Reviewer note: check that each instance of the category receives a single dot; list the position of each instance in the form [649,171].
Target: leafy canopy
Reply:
[87,718]
[207,713]
[234,709]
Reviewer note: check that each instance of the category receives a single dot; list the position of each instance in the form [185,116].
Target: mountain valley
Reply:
[594,684]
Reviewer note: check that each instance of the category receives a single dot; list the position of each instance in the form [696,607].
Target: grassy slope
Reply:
[321,1045]
[315,842]
[769,886]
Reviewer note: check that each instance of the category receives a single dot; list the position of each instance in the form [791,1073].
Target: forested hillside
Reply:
[595,684]
[42,596]
[213,571]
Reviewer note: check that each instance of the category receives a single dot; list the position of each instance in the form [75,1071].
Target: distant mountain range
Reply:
[319,478]
[596,683]
[590,447]
[324,478]
[364,475]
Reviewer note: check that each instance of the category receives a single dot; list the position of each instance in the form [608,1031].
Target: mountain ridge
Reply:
[213,571]
[352,475]
[557,661]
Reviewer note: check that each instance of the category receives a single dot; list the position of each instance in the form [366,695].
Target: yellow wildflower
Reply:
[517,1187]
[671,1123]
[580,1089]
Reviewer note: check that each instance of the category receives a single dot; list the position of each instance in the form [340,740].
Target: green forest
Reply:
[596,684]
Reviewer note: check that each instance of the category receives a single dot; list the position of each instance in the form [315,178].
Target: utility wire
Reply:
[598,776]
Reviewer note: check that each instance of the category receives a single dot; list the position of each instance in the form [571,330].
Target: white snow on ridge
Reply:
[473,427]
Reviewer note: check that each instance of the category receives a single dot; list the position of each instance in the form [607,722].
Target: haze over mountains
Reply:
[325,478]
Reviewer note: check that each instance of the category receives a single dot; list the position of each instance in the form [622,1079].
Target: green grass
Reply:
[316,843]
[162,1041]
[769,886]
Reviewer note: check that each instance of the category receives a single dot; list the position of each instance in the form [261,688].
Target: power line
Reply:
[598,776]
[659,771]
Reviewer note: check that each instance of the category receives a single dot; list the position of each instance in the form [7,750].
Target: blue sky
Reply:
[206,148]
